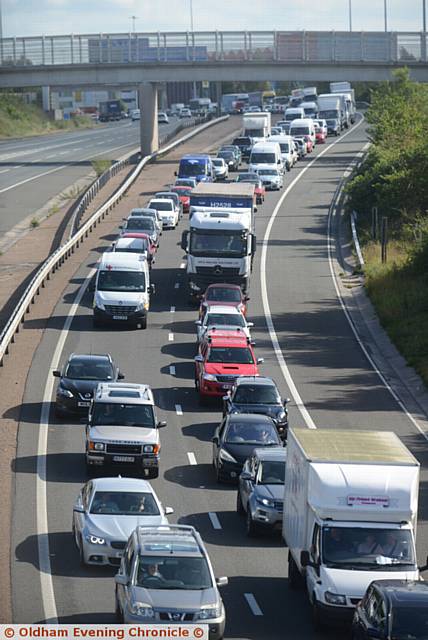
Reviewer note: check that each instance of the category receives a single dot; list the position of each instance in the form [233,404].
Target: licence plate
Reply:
[123,459]
[226,386]
[149,463]
[83,404]
[120,317]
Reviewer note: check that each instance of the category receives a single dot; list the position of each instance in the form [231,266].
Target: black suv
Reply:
[257,394]
[245,144]
[78,380]
[392,610]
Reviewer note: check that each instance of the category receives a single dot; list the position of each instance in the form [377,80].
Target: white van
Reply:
[303,127]
[265,155]
[310,109]
[293,113]
[287,150]
[122,289]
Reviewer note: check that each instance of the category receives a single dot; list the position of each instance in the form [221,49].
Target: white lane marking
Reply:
[45,570]
[170,337]
[172,310]
[172,370]
[252,603]
[60,168]
[192,459]
[4,170]
[266,307]
[177,284]
[63,153]
[330,245]
[53,155]
[178,410]
[214,520]
[183,265]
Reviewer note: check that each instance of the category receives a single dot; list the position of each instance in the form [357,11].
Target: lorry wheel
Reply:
[239,505]
[252,530]
[294,577]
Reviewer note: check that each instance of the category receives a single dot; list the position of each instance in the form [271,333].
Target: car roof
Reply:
[223,308]
[250,418]
[226,285]
[168,540]
[402,592]
[226,338]
[90,357]
[156,200]
[277,454]
[255,380]
[118,392]
[119,483]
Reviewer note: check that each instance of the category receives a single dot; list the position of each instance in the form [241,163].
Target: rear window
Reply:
[242,141]
[162,206]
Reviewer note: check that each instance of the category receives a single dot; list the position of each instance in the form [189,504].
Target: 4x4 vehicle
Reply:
[123,429]
[166,576]
[79,378]
[223,294]
[222,357]
[261,489]
[258,395]
[244,143]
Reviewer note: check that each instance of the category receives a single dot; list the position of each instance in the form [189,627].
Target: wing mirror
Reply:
[152,289]
[161,423]
[198,358]
[215,439]
[305,559]
[260,360]
[250,324]
[222,582]
[246,475]
[120,376]
[168,511]
[119,578]
[56,373]
[78,508]
[286,400]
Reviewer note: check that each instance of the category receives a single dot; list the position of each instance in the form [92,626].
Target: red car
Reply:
[259,190]
[152,246]
[222,357]
[226,295]
[184,195]
[319,136]
[309,144]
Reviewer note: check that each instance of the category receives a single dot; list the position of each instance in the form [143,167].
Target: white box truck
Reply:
[350,510]
[330,109]
[345,89]
[257,125]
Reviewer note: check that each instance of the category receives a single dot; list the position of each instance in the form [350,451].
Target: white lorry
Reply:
[330,110]
[257,125]
[345,89]
[350,511]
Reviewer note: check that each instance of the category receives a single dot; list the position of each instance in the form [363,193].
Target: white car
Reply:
[271,178]
[162,118]
[185,113]
[135,115]
[167,211]
[107,511]
[222,317]
[221,169]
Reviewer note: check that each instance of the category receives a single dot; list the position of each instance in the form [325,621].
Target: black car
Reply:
[235,149]
[79,379]
[235,439]
[230,159]
[257,394]
[245,144]
[392,610]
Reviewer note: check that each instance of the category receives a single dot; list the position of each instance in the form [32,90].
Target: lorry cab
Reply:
[293,113]
[122,289]
[197,166]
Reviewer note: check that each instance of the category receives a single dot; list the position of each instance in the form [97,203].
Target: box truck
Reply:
[350,511]
[257,125]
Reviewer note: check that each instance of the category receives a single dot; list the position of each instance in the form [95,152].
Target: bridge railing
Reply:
[216,46]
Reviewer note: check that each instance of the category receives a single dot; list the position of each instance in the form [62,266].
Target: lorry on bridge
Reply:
[110,110]
[349,516]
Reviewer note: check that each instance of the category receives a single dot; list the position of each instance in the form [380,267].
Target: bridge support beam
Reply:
[148,101]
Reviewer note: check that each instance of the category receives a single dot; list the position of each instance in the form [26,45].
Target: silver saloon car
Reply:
[106,512]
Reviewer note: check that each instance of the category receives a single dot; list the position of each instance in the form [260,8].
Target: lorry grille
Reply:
[218,271]
[124,448]
[120,310]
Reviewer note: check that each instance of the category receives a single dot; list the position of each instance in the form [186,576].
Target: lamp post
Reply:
[350,14]
[133,18]
[194,92]
[385,14]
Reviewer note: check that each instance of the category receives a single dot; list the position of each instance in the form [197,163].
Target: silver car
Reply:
[147,213]
[221,170]
[166,576]
[106,512]
[271,178]
[261,490]
[222,317]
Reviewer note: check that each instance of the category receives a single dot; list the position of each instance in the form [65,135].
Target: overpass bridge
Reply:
[144,59]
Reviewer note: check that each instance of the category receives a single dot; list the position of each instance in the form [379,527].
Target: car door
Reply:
[362,616]
[126,567]
[217,441]
[251,465]
[83,502]
[312,573]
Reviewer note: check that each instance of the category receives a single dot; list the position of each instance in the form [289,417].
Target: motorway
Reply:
[33,170]
[292,293]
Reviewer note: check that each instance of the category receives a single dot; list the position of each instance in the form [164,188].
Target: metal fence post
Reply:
[375,223]
[384,239]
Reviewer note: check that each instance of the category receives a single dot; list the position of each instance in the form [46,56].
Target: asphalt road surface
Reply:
[33,170]
[335,382]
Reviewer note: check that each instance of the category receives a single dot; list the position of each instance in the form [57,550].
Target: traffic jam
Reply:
[344,502]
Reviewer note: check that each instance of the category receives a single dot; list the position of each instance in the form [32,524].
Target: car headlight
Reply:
[151,448]
[64,392]
[334,598]
[142,609]
[225,456]
[282,416]
[209,612]
[96,446]
[210,377]
[194,286]
[266,502]
[99,305]
[142,305]
[95,539]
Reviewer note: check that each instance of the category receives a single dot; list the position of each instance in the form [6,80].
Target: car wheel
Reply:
[251,525]
[218,476]
[81,554]
[154,473]
[239,506]
[143,323]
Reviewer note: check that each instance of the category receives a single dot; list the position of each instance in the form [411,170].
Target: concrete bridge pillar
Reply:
[46,98]
[148,101]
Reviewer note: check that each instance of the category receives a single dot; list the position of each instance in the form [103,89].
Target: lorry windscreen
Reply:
[329,114]
[221,243]
[121,281]
[367,549]
[255,133]
[192,168]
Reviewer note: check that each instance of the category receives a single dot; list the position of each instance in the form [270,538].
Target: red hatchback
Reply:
[184,195]
[152,246]
[226,295]
[223,356]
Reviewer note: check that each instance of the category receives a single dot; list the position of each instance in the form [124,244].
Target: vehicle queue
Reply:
[120,521]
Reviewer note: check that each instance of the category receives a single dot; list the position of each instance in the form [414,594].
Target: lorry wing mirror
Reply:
[253,244]
[184,240]
[424,568]
[305,559]
[152,289]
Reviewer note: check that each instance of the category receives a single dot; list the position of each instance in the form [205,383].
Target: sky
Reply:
[28,17]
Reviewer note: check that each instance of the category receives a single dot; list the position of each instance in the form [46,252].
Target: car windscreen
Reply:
[247,177]
[236,355]
[230,319]
[124,503]
[124,415]
[284,147]
[162,206]
[262,158]
[272,472]
[330,113]
[411,622]
[223,294]
[267,172]
[226,155]
[121,281]
[140,224]
[256,394]
[251,433]
[217,162]
[181,573]
[213,244]
[84,370]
